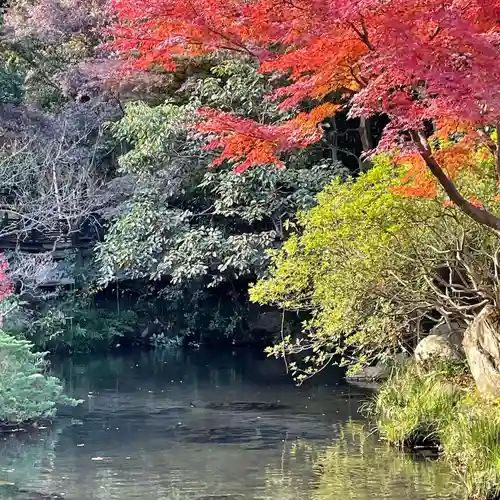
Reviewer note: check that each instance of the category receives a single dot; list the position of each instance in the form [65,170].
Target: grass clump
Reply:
[471,444]
[412,408]
[440,408]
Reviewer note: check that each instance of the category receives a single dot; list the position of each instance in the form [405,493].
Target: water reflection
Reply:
[357,463]
[207,427]
[25,456]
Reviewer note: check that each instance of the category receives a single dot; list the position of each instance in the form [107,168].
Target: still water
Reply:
[203,426]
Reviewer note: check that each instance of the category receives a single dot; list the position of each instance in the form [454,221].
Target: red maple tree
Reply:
[425,64]
[6,287]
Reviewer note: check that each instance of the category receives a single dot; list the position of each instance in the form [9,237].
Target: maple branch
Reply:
[435,34]
[289,2]
[478,214]
[240,45]
[359,80]
[363,33]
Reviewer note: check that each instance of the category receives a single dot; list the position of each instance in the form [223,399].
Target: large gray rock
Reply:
[482,348]
[442,344]
[453,332]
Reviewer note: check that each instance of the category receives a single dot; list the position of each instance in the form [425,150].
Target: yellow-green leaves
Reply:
[363,264]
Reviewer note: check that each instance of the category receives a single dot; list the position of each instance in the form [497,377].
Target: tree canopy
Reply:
[430,66]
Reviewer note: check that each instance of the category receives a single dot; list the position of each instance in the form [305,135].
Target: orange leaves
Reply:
[447,127]
[414,61]
[249,143]
[325,65]
[419,182]
[248,150]
[455,158]
[304,127]
[155,32]
[240,139]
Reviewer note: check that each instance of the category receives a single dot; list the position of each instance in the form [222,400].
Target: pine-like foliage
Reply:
[27,393]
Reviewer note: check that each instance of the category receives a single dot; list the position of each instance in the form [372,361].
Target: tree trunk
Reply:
[365,134]
[478,214]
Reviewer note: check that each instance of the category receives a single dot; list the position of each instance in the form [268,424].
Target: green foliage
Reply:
[11,91]
[339,267]
[73,323]
[196,313]
[236,86]
[262,193]
[162,341]
[366,263]
[413,408]
[470,443]
[27,394]
[185,220]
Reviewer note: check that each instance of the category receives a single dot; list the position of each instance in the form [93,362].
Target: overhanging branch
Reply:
[478,214]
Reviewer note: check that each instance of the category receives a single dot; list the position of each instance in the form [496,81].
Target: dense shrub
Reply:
[373,267]
[186,221]
[27,393]
[73,323]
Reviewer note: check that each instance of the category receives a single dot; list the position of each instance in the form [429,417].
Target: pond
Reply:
[206,426]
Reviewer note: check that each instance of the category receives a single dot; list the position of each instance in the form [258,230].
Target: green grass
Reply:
[439,408]
[471,443]
[411,409]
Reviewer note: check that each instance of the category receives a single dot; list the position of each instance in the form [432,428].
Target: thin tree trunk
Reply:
[365,134]
[56,192]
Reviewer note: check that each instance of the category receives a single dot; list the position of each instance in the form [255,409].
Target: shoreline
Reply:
[440,410]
